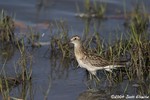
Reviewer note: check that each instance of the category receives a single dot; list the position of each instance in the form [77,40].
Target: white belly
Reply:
[83,65]
[88,66]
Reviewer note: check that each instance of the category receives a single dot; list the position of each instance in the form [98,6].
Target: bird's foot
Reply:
[88,84]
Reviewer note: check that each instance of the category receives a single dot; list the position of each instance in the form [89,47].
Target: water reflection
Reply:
[60,67]
[42,5]
[6,51]
[123,89]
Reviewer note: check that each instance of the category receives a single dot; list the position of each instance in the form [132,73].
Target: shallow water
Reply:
[65,83]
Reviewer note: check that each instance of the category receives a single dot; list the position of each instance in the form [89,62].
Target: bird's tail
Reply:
[111,67]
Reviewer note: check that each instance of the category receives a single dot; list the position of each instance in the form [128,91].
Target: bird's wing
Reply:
[96,61]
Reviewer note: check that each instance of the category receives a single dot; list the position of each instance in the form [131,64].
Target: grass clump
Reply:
[92,10]
[59,43]
[139,44]
[6,28]
[23,69]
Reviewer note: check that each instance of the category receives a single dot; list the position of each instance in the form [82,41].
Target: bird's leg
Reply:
[97,79]
[92,80]
[93,73]
[91,76]
[78,66]
[88,83]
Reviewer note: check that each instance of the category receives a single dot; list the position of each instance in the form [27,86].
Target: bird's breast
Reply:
[78,54]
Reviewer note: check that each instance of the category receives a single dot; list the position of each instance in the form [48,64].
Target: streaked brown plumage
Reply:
[91,62]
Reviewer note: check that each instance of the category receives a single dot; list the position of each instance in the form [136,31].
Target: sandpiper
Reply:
[91,62]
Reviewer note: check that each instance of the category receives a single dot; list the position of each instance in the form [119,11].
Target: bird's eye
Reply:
[75,38]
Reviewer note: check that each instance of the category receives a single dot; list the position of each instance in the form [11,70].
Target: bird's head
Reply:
[75,40]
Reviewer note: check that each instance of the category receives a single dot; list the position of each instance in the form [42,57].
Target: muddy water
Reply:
[65,83]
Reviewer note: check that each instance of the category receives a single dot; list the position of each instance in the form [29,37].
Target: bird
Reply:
[91,61]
